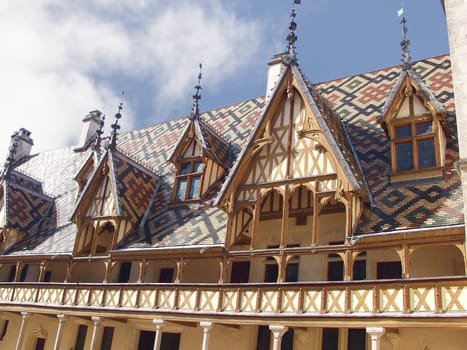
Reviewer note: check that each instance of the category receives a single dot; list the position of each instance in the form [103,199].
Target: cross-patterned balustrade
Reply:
[418,297]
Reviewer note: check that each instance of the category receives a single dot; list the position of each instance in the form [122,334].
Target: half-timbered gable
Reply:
[297,167]
[201,158]
[415,123]
[113,202]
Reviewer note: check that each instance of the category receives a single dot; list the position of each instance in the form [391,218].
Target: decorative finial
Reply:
[115,127]
[405,43]
[292,37]
[197,95]
[97,143]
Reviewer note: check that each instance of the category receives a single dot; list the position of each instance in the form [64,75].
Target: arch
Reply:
[332,219]
[434,261]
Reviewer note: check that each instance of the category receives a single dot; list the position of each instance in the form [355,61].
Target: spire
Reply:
[197,95]
[115,127]
[292,38]
[405,43]
[97,143]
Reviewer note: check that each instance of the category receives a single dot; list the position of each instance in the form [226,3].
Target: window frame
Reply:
[414,139]
[189,177]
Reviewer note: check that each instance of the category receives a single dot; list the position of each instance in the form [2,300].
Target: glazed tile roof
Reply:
[357,100]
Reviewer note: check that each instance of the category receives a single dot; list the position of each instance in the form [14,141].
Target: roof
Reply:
[356,100]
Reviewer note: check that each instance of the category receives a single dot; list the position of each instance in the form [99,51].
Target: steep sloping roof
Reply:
[28,209]
[212,145]
[357,100]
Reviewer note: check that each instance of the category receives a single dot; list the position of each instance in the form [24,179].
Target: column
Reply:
[207,327]
[95,331]
[22,330]
[278,331]
[61,325]
[376,333]
[159,325]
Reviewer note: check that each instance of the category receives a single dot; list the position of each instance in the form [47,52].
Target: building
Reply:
[325,216]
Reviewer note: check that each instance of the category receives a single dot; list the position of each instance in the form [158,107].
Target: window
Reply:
[188,180]
[272,272]
[3,329]
[240,272]
[124,274]
[81,337]
[12,274]
[330,339]
[166,275]
[40,344]
[264,339]
[169,341]
[389,270]
[24,273]
[414,146]
[107,337]
[47,276]
[356,339]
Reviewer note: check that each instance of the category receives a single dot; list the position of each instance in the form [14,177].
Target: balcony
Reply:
[415,298]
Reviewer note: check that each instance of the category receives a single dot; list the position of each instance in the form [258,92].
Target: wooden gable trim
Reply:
[409,85]
[104,168]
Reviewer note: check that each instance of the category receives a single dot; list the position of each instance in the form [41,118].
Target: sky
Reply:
[60,59]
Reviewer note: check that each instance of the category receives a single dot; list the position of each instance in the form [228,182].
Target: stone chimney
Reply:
[277,66]
[21,144]
[91,124]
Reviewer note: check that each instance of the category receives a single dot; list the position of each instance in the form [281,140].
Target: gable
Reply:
[294,141]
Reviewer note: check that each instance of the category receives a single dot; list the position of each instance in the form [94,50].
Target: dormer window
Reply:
[188,180]
[415,123]
[414,146]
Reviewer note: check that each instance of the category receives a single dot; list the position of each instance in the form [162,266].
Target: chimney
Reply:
[91,124]
[277,66]
[21,144]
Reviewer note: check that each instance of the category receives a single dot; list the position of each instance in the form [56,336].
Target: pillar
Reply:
[159,325]
[207,327]
[277,331]
[376,333]
[95,331]
[22,330]
[61,325]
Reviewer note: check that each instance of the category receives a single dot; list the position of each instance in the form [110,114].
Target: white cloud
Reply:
[59,59]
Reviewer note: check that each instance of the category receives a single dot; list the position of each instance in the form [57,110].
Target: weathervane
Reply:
[292,37]
[197,95]
[115,127]
[405,43]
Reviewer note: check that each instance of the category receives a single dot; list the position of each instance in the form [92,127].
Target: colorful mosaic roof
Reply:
[357,100]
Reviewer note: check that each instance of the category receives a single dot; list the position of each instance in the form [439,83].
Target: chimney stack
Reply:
[21,144]
[91,124]
[277,66]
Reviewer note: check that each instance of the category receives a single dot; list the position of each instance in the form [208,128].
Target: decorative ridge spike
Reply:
[97,143]
[115,127]
[292,37]
[197,95]
[405,43]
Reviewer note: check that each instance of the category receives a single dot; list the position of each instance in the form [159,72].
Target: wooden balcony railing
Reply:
[418,297]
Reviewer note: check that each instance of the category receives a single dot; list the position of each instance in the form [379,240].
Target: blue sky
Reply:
[62,58]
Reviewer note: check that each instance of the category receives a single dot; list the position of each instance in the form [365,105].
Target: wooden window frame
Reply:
[416,171]
[189,176]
